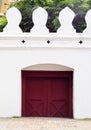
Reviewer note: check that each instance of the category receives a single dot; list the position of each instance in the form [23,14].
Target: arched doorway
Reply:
[47,91]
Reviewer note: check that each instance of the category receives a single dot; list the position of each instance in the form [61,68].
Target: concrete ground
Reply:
[44,124]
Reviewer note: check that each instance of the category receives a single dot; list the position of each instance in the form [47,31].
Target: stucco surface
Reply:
[44,124]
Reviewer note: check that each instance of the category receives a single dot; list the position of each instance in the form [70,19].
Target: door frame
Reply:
[56,74]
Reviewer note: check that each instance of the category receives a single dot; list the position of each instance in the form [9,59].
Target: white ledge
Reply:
[50,36]
[52,40]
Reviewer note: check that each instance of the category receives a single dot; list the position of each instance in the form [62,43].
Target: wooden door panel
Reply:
[58,97]
[35,97]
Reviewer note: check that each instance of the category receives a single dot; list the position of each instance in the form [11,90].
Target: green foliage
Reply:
[56,23]
[3,23]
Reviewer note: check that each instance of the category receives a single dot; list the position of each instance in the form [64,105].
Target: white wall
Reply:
[64,49]
[14,58]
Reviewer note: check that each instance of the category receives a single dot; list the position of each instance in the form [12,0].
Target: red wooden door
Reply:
[58,94]
[35,97]
[47,95]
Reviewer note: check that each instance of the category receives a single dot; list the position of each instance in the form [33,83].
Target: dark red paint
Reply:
[47,93]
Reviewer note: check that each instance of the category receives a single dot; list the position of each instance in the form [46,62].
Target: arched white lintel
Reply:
[48,67]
